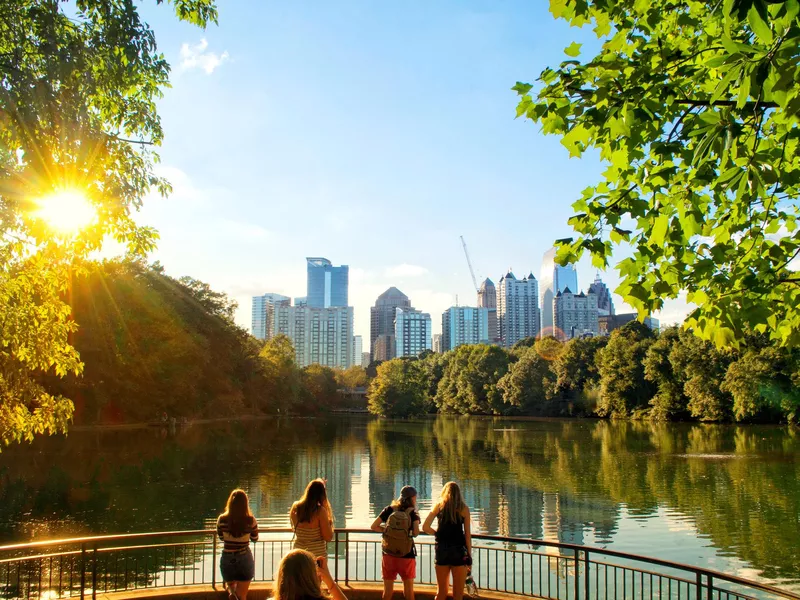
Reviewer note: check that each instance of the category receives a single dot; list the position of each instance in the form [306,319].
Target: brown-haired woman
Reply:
[453,541]
[312,519]
[236,528]
[299,576]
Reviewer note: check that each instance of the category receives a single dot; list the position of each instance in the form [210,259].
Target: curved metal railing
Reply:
[82,567]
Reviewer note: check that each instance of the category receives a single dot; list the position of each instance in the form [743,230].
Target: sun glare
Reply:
[66,211]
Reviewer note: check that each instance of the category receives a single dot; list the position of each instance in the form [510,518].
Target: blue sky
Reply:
[371,133]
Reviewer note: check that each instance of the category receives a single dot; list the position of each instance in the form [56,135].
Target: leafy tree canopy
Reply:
[693,106]
[77,116]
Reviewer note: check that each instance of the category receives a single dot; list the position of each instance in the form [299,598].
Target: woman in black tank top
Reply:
[453,541]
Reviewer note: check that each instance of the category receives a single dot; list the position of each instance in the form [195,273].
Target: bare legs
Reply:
[388,589]
[443,580]
[238,589]
[408,589]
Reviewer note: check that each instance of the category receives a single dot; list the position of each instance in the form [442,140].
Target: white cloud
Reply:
[405,270]
[197,57]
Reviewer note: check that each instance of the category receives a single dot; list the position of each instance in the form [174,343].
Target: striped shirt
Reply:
[308,538]
[236,543]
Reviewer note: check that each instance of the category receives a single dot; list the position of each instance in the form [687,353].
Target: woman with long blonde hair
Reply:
[312,519]
[453,541]
[237,527]
[299,576]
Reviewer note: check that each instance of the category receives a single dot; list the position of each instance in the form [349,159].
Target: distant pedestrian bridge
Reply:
[184,564]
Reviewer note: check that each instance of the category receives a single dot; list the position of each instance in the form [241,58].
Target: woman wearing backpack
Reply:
[399,524]
[453,541]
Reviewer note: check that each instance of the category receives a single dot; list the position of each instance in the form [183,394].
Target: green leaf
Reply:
[573,50]
[659,230]
[757,17]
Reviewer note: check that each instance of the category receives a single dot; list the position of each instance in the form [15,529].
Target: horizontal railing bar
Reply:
[717,575]
[106,538]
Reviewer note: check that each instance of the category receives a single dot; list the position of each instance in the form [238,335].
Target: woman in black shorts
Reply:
[236,528]
[453,541]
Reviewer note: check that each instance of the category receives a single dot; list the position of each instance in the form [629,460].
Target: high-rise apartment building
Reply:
[554,278]
[383,348]
[575,315]
[322,336]
[487,298]
[365,359]
[605,305]
[437,343]
[517,309]
[261,326]
[412,332]
[327,285]
[381,321]
[358,347]
[464,325]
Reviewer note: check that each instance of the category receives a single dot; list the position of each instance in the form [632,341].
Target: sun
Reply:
[66,211]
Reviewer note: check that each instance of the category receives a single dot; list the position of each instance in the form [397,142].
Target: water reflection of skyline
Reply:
[721,496]
[497,507]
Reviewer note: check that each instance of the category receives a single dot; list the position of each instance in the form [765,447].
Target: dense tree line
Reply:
[153,344]
[632,373]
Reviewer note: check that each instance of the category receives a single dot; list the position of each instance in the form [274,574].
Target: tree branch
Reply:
[752,105]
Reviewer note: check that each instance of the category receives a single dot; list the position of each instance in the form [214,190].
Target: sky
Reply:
[371,133]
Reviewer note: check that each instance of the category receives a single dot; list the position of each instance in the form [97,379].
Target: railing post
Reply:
[577,575]
[214,561]
[336,554]
[710,582]
[83,569]
[699,586]
[94,572]
[586,581]
[347,557]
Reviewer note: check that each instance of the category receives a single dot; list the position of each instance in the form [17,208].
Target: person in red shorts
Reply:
[399,524]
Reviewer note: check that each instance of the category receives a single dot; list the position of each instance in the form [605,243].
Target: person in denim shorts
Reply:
[236,528]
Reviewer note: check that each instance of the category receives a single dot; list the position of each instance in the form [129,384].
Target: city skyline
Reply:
[295,176]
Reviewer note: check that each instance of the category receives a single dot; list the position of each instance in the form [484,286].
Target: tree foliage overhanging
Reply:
[693,107]
[154,344]
[634,373]
[79,82]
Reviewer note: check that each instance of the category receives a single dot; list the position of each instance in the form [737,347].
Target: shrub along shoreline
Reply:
[634,373]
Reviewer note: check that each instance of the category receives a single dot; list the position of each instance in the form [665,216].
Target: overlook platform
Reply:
[183,564]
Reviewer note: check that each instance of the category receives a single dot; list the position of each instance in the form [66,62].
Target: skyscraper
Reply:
[605,305]
[437,342]
[554,278]
[517,309]
[261,326]
[327,285]
[464,325]
[322,336]
[381,322]
[487,298]
[358,343]
[412,332]
[575,315]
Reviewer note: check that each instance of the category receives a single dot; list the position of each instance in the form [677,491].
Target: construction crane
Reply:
[469,264]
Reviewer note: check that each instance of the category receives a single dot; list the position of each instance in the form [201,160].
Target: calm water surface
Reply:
[725,497]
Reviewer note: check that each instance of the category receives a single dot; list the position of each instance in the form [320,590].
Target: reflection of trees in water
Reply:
[738,485]
[133,481]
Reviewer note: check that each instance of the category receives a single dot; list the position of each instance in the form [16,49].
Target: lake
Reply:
[720,496]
